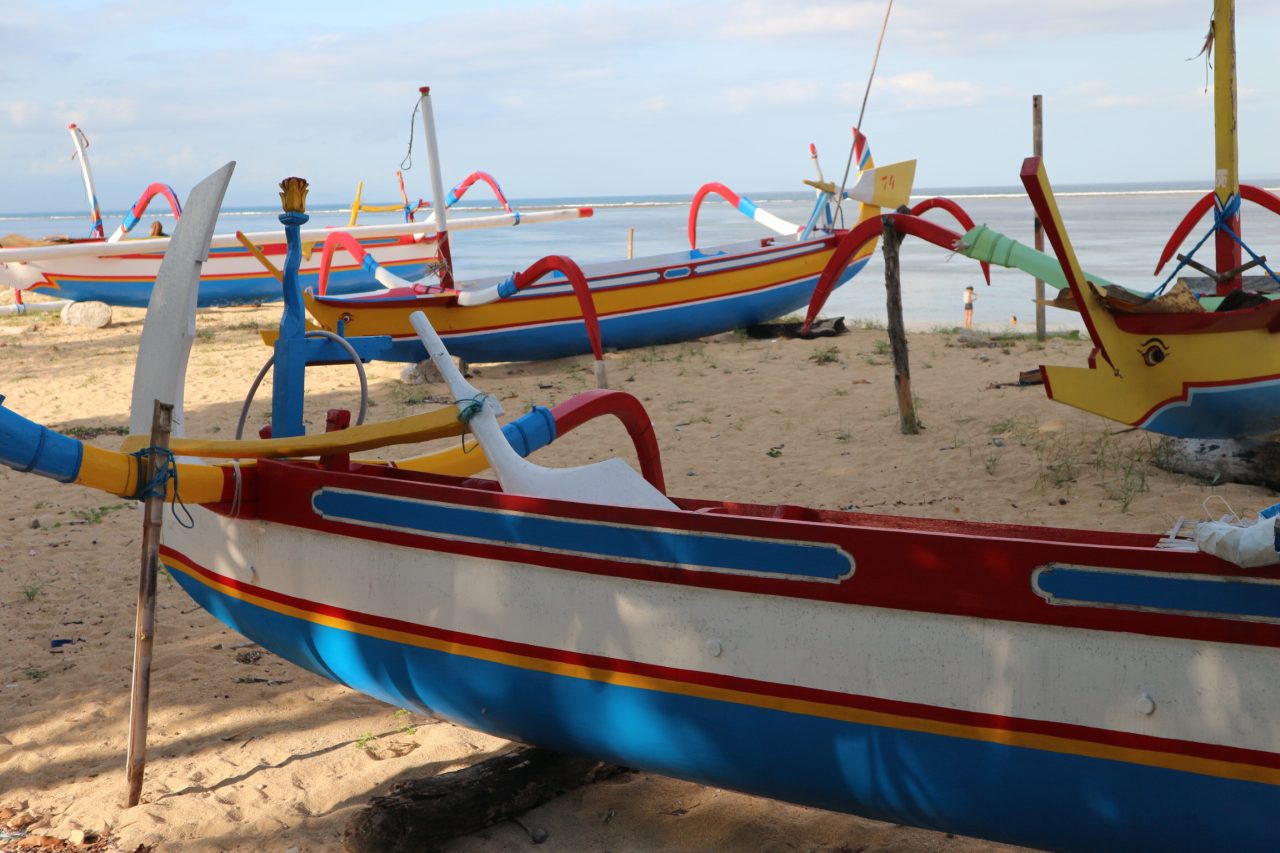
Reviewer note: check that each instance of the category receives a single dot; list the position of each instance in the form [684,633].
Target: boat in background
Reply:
[119,271]
[1192,359]
[1062,689]
[540,313]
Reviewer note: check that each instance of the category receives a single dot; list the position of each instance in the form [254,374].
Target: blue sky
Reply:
[612,98]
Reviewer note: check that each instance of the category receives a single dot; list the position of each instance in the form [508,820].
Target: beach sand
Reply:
[247,752]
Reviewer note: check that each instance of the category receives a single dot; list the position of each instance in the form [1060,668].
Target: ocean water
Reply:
[1118,232]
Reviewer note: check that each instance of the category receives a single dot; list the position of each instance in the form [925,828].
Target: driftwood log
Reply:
[1248,461]
[422,814]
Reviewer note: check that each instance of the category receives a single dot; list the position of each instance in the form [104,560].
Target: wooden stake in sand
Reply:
[897,333]
[1037,148]
[145,626]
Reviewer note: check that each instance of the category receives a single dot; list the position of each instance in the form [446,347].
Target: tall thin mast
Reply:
[437,188]
[1226,183]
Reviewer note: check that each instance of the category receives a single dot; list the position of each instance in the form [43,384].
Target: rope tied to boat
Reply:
[166,469]
[1221,222]
[470,408]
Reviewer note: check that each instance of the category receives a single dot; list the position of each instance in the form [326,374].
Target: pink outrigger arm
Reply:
[455,195]
[139,209]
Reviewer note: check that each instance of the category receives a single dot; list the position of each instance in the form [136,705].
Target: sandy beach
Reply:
[248,752]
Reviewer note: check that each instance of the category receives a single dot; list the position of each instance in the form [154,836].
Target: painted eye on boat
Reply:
[1153,352]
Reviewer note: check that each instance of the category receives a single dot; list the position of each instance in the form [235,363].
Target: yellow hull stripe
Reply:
[370,318]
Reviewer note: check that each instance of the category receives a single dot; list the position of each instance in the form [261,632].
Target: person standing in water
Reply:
[969,296]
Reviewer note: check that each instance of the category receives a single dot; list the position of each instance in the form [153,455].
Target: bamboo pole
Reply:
[897,332]
[145,626]
[631,243]
[1037,148]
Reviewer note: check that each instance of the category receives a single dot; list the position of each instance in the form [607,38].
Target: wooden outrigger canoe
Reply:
[120,271]
[1057,688]
[540,313]
[1189,365]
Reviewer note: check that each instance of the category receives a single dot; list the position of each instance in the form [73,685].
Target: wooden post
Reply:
[631,243]
[1037,148]
[145,626]
[897,333]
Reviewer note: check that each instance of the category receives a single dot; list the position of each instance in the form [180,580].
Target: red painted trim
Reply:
[1187,387]
[655,306]
[968,569]
[1040,201]
[916,710]
[1048,386]
[385,300]
[1257,318]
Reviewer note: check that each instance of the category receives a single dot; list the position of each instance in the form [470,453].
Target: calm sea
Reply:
[1118,232]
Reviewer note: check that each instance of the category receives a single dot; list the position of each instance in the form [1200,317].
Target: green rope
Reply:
[473,407]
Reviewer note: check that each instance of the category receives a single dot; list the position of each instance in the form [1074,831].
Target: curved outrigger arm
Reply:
[745,206]
[868,230]
[454,195]
[512,284]
[535,272]
[342,240]
[139,208]
[1248,192]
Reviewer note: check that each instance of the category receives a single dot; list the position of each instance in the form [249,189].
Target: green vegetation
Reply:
[97,513]
[826,355]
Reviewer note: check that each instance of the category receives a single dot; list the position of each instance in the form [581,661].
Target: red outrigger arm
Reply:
[588,405]
[1248,192]
[562,264]
[959,214]
[867,230]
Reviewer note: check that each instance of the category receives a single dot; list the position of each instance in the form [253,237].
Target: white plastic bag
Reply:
[1247,547]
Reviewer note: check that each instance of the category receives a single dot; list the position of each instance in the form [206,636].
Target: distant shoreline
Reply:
[640,201]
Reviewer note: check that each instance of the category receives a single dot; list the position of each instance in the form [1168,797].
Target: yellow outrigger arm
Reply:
[28,446]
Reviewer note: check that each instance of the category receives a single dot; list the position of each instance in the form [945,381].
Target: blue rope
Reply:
[1220,219]
[158,486]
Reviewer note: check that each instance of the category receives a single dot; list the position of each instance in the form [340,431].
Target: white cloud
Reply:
[919,90]
[773,95]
